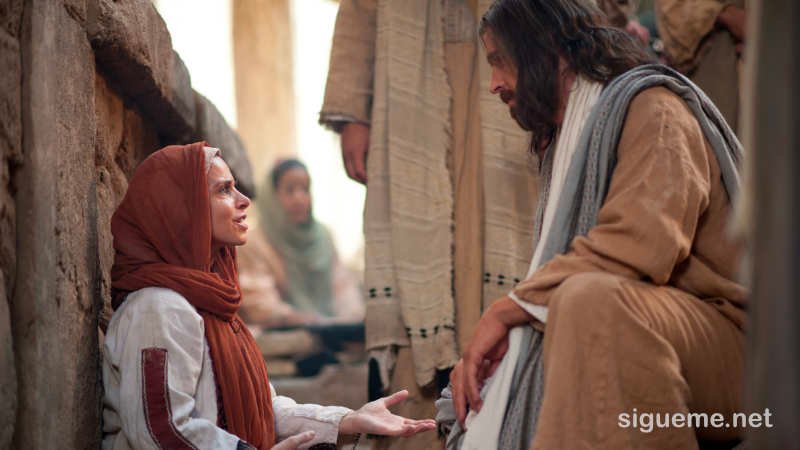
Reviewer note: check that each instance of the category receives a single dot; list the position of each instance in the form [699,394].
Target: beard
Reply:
[506,95]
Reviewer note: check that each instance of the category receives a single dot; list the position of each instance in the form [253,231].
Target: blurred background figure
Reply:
[290,272]
[622,14]
[704,39]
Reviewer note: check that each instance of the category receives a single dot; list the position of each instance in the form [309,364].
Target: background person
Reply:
[289,267]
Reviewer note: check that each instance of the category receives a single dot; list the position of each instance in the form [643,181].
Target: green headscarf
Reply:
[307,249]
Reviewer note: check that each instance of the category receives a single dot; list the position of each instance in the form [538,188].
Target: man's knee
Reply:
[582,297]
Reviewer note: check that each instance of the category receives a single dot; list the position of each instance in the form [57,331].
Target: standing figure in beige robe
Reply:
[451,188]
[704,40]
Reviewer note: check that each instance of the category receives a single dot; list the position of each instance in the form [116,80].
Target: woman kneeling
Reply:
[180,370]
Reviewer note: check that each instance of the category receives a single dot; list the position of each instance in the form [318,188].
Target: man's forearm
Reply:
[508,312]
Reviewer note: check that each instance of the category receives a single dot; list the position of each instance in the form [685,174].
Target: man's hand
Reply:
[293,442]
[355,145]
[735,20]
[375,418]
[483,354]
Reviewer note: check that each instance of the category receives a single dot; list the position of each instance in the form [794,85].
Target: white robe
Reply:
[161,323]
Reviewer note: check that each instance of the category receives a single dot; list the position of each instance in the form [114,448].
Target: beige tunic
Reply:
[494,190]
[494,184]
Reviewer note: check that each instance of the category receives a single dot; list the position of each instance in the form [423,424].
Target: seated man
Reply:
[633,277]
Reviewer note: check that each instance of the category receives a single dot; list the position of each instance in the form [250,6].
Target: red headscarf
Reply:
[162,237]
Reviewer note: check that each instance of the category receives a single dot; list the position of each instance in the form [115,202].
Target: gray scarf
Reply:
[584,191]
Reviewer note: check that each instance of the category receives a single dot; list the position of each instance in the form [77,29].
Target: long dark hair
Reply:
[532,34]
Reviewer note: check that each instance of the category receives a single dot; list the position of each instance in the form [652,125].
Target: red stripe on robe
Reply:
[155,397]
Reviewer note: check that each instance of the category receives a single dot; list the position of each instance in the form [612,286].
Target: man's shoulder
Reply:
[657,99]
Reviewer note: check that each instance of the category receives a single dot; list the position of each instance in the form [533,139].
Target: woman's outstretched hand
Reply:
[375,418]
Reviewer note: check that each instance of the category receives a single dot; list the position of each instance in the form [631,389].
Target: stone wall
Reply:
[88,89]
[10,157]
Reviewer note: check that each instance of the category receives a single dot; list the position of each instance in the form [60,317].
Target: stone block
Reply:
[213,128]
[10,146]
[54,304]
[122,139]
[133,49]
[111,182]
[11,17]
[8,376]
[10,154]
[78,10]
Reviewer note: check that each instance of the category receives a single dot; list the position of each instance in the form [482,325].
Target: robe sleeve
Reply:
[348,91]
[682,26]
[292,418]
[163,349]
[647,223]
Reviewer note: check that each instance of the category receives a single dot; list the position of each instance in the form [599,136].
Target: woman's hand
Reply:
[483,354]
[375,418]
[293,442]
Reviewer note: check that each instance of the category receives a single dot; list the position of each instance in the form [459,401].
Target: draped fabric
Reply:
[409,203]
[499,180]
[162,237]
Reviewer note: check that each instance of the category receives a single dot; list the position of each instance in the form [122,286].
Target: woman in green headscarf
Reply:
[305,246]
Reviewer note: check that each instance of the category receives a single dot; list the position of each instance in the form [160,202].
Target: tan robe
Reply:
[703,50]
[645,311]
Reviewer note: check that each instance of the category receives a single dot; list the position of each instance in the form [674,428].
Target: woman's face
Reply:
[294,195]
[228,207]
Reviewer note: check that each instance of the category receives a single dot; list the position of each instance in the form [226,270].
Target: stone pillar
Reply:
[53,306]
[772,137]
[262,48]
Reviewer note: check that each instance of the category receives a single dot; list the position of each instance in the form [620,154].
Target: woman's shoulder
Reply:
[158,301]
[153,317]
